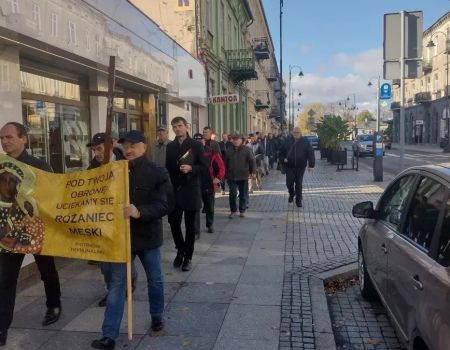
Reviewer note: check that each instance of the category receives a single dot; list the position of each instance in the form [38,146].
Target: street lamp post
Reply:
[378,100]
[300,74]
[431,44]
[292,100]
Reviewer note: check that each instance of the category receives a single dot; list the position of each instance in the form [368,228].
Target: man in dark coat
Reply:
[150,191]
[14,139]
[224,145]
[184,160]
[296,153]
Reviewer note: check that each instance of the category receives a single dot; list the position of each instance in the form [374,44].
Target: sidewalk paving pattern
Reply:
[249,286]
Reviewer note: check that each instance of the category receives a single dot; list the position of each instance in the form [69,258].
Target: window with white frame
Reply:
[72,33]
[54,24]
[97,46]
[14,6]
[222,23]
[36,10]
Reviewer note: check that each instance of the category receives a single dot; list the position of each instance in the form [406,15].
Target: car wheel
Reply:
[366,287]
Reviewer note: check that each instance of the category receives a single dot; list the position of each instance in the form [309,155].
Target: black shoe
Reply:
[178,260]
[187,265]
[291,199]
[299,204]
[267,173]
[51,316]
[210,229]
[104,343]
[3,336]
[102,302]
[157,324]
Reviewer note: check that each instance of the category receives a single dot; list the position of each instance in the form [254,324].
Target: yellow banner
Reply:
[75,215]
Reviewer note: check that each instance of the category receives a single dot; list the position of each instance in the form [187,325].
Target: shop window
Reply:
[37,84]
[58,134]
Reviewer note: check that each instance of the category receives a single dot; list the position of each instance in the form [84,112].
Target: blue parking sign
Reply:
[385,91]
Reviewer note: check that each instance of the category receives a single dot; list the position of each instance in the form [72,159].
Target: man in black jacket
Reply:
[150,192]
[296,153]
[184,160]
[14,138]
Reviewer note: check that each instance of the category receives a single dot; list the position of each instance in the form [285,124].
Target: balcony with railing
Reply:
[427,66]
[241,63]
[422,97]
[261,48]
[262,100]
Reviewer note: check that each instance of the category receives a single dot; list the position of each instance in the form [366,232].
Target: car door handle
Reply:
[416,282]
[384,249]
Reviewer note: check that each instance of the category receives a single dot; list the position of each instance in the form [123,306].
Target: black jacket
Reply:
[33,161]
[150,191]
[186,186]
[300,155]
[239,163]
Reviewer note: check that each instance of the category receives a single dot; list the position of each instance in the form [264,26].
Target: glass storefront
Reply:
[58,134]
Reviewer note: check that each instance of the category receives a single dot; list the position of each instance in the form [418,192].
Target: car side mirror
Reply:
[364,210]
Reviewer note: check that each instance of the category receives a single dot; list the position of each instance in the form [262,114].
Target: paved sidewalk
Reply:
[250,285]
[419,148]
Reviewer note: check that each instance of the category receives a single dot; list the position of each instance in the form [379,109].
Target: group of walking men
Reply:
[174,178]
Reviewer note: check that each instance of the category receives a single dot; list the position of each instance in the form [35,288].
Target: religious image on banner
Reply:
[75,215]
[21,228]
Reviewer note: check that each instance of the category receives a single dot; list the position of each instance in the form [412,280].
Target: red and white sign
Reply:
[224,99]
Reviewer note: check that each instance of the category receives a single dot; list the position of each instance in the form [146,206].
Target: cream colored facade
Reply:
[426,98]
[262,89]
[434,64]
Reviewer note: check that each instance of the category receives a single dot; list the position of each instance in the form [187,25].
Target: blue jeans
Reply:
[243,195]
[115,274]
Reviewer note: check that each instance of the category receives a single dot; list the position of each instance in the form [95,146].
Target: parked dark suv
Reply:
[404,255]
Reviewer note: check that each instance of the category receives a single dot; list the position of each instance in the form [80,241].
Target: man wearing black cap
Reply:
[150,191]
[14,139]
[184,160]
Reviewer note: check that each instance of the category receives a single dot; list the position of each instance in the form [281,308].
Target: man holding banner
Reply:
[150,190]
[14,138]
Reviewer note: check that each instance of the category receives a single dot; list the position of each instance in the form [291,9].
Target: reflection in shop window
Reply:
[51,87]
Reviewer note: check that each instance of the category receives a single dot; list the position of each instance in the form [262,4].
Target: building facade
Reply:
[223,35]
[54,58]
[426,98]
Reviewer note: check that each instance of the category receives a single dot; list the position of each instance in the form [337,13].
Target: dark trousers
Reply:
[184,246]
[294,181]
[222,185]
[9,272]
[208,207]
[233,186]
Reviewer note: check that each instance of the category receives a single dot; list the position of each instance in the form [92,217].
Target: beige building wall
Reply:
[434,64]
[177,21]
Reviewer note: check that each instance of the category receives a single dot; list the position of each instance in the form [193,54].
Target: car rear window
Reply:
[366,138]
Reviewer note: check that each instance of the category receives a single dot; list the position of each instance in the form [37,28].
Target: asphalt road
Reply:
[391,160]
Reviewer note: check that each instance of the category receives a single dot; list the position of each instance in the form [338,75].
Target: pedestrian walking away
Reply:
[296,153]
[185,161]
[240,164]
[255,182]
[210,179]
[14,138]
[150,193]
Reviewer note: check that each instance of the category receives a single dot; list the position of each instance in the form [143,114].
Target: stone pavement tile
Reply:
[27,339]
[82,341]
[266,257]
[172,274]
[205,293]
[22,302]
[83,289]
[246,344]
[262,274]
[34,314]
[251,322]
[227,242]
[231,258]
[228,248]
[177,343]
[194,319]
[217,273]
[80,269]
[237,236]
[141,292]
[251,295]
[260,245]
[273,234]
[242,225]
[91,319]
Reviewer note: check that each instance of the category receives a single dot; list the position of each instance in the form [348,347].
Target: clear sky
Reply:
[338,43]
